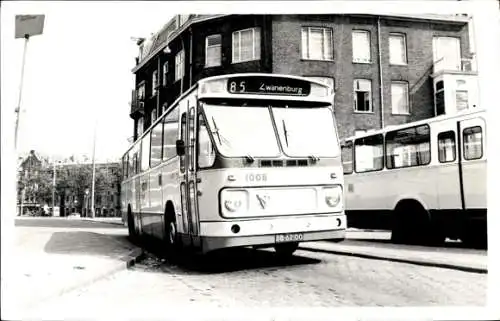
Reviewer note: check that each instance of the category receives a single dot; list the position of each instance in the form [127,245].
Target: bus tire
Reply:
[132,231]
[286,250]
[409,223]
[171,235]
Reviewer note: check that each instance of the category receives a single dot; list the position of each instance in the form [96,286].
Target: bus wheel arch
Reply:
[171,234]
[132,231]
[408,221]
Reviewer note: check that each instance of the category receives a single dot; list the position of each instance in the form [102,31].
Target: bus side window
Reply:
[369,153]
[347,157]
[206,153]
[473,143]
[408,147]
[446,147]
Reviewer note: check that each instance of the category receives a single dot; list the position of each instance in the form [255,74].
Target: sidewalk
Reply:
[57,255]
[470,262]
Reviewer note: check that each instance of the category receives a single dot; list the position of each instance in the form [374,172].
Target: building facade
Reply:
[385,70]
[28,183]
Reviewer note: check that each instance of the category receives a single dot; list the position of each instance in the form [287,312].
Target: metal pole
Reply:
[54,190]
[18,109]
[92,214]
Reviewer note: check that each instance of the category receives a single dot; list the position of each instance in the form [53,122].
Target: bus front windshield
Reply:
[248,131]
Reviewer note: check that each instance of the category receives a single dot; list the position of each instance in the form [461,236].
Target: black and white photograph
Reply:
[253,160]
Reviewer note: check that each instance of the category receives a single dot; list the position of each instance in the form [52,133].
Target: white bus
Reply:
[424,180]
[239,160]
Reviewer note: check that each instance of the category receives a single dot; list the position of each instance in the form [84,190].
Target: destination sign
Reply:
[268,86]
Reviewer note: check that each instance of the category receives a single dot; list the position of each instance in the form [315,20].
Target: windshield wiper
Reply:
[286,132]
[313,158]
[221,138]
[216,130]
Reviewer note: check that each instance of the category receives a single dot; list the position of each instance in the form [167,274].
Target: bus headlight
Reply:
[234,201]
[333,195]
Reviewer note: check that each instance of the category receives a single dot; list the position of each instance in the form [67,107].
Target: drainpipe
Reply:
[380,75]
[190,57]
[158,85]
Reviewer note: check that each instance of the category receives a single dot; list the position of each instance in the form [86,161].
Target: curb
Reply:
[105,222]
[399,260]
[127,261]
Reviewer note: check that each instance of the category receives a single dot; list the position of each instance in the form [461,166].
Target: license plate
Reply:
[290,237]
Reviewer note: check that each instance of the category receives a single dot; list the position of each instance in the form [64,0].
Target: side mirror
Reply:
[180,148]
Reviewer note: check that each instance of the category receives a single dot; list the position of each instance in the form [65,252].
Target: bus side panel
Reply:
[156,208]
[474,170]
[447,173]
[170,189]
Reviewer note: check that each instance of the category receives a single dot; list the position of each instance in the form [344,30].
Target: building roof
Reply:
[160,40]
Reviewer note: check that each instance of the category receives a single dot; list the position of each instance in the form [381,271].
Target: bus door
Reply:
[188,174]
[473,162]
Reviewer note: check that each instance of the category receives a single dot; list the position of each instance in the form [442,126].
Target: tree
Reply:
[75,179]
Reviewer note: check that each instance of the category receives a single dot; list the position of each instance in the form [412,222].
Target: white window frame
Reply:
[395,109]
[305,55]
[359,60]
[141,91]
[179,65]
[219,62]
[255,53]
[370,95]
[404,50]
[154,83]
[165,73]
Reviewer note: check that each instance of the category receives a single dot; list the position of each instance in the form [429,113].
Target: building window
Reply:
[213,51]
[361,46]
[363,95]
[141,91]
[473,143]
[369,153]
[179,65]
[153,115]
[317,43]
[165,72]
[156,144]
[140,126]
[397,49]
[446,147]
[462,98]
[246,45]
[347,157]
[154,88]
[399,98]
[408,147]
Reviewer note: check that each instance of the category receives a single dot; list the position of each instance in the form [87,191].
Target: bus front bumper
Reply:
[211,243]
[269,232]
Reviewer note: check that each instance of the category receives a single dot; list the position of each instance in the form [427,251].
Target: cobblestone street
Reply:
[248,278]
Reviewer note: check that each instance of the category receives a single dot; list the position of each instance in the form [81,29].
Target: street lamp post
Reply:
[26,27]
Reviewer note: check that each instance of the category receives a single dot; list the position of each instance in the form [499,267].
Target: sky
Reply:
[76,73]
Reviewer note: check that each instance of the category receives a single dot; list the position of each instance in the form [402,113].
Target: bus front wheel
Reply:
[286,249]
[132,232]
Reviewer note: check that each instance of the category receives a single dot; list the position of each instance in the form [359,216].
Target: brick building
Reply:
[29,171]
[385,70]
